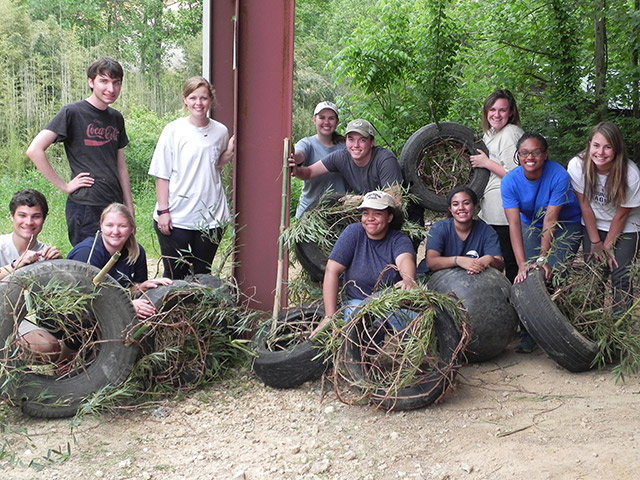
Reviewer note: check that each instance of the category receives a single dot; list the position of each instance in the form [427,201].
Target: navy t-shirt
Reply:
[365,259]
[482,240]
[124,273]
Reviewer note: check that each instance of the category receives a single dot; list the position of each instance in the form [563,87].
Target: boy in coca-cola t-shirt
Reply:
[94,138]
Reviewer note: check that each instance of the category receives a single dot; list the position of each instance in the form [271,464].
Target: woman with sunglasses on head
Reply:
[543,213]
[607,185]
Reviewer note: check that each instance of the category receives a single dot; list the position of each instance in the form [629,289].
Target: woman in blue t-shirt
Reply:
[543,214]
[117,234]
[542,209]
[462,241]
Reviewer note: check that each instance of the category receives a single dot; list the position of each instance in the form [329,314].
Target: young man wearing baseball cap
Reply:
[364,166]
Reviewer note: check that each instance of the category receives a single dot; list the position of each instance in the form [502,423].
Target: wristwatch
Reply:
[162,212]
[541,259]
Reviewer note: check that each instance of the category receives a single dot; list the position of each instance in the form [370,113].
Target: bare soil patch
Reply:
[515,416]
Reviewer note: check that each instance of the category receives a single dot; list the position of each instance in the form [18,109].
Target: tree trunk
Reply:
[600,59]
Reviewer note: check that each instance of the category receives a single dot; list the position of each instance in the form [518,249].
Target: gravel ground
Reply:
[515,416]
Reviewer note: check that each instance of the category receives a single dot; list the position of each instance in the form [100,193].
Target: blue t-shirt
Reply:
[124,273]
[383,170]
[365,259]
[482,240]
[532,198]
[312,189]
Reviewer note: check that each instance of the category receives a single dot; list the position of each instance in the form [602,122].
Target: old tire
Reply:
[486,297]
[549,327]
[433,385]
[290,365]
[53,396]
[312,258]
[420,169]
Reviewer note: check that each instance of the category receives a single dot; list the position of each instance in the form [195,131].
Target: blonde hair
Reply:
[616,186]
[133,249]
[195,83]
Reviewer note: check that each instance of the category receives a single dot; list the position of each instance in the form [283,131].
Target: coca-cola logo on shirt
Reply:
[97,135]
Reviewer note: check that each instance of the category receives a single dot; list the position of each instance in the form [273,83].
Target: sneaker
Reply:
[526,344]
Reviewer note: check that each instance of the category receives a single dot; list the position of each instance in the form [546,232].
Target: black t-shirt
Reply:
[92,138]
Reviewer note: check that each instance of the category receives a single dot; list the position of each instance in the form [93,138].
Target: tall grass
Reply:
[143,129]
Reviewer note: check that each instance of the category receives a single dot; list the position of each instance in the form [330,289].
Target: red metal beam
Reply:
[262,85]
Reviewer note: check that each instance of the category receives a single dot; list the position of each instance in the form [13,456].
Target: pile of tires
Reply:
[286,359]
[486,296]
[106,362]
[548,326]
[435,159]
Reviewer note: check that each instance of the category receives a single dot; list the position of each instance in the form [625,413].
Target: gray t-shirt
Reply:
[383,170]
[312,189]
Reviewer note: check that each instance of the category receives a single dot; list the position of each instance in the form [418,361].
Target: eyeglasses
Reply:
[525,153]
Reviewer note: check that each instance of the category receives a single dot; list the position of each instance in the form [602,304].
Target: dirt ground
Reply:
[512,417]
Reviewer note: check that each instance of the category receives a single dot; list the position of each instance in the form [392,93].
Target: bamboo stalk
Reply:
[100,275]
[284,207]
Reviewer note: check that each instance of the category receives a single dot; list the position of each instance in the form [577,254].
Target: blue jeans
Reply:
[565,244]
[397,321]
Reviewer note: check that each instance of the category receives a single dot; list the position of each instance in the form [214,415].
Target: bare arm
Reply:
[228,154]
[162,195]
[481,160]
[517,243]
[38,155]
[436,262]
[330,286]
[125,182]
[549,225]
[305,173]
[406,263]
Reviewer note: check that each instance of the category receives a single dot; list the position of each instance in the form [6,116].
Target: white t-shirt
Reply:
[604,212]
[9,252]
[188,156]
[502,149]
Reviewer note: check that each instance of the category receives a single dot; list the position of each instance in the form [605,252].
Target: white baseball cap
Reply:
[322,105]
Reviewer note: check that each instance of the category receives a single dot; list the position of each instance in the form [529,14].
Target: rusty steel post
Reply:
[256,103]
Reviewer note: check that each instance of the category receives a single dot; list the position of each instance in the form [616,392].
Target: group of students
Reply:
[191,211]
[533,211]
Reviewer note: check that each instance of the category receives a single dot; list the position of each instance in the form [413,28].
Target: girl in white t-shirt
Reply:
[607,185]
[191,211]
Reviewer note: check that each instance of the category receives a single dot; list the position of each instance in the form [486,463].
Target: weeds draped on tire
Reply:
[192,339]
[406,368]
[60,295]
